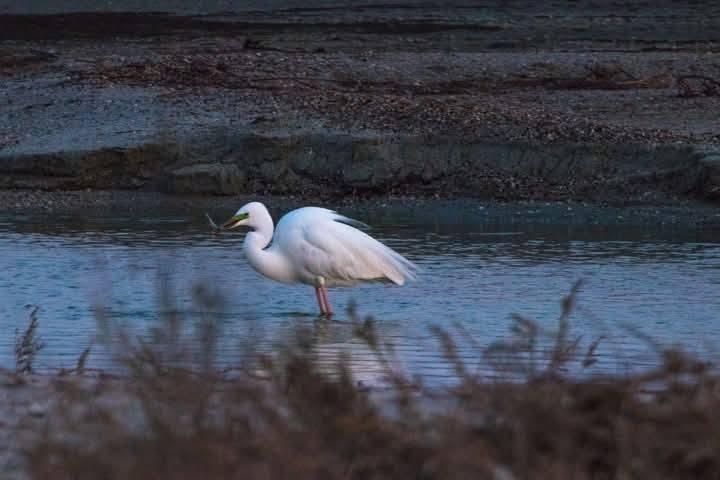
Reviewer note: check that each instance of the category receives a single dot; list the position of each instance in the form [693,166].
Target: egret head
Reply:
[247,215]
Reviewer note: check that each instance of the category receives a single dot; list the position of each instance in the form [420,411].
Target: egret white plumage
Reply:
[317,247]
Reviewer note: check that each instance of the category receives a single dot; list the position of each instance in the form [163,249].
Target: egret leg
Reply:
[321,292]
[326,300]
[320,299]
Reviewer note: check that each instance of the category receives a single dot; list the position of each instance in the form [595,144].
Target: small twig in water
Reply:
[213,225]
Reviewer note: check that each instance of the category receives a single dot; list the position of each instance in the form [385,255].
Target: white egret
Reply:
[317,247]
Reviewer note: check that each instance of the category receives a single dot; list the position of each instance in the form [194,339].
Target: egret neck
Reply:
[266,262]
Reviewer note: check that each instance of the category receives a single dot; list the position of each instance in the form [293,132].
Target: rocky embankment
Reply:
[564,102]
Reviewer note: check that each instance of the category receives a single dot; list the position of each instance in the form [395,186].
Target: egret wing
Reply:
[344,255]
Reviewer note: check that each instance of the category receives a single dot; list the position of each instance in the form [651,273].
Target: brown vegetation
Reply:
[189,419]
[27,346]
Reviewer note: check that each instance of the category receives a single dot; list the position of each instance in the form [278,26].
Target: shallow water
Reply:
[639,280]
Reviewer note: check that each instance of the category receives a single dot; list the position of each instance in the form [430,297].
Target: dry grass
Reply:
[188,419]
[27,346]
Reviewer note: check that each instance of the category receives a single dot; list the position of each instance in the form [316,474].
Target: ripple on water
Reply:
[664,288]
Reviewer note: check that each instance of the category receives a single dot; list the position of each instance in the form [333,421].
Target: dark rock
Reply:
[226,163]
[711,170]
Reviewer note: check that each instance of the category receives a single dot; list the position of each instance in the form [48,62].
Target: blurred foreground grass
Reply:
[174,414]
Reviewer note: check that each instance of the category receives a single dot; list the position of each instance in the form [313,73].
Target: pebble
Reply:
[502,472]
[36,410]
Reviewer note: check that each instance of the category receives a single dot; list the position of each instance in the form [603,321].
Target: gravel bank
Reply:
[587,102]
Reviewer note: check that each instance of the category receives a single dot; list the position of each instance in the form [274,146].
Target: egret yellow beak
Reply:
[236,221]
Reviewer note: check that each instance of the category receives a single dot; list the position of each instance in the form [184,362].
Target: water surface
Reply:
[639,280]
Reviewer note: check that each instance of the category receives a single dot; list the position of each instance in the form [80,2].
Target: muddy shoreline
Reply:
[610,104]
[61,211]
